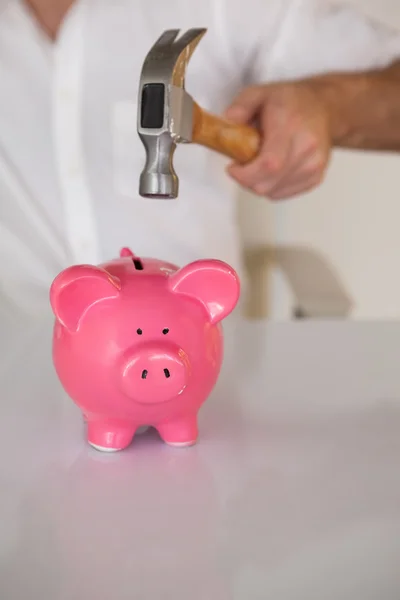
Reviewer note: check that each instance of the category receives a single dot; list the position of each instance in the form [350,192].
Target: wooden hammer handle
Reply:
[238,142]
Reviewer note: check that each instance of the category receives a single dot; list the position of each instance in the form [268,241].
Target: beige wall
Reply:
[352,222]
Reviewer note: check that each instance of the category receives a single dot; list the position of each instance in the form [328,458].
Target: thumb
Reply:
[246,105]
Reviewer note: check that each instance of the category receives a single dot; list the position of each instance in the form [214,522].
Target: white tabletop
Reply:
[292,493]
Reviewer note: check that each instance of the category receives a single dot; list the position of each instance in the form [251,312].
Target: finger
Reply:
[265,174]
[298,164]
[246,105]
[270,164]
[297,186]
[302,154]
[285,193]
[274,157]
[308,164]
[250,104]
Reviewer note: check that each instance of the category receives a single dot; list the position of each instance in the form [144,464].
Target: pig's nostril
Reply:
[166,373]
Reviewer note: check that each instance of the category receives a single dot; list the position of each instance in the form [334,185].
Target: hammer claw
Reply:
[172,46]
[189,39]
[166,39]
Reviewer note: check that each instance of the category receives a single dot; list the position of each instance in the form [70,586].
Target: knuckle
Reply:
[280,195]
[271,164]
[309,174]
[275,192]
[262,189]
[315,168]
[308,143]
[313,182]
[319,166]
[310,139]
[311,171]
[319,177]
[274,196]
[310,147]
[295,122]
[258,190]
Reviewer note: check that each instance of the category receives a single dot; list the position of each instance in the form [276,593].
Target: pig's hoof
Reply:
[105,439]
[104,449]
[179,433]
[181,444]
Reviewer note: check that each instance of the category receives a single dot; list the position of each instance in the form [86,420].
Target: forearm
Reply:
[364,108]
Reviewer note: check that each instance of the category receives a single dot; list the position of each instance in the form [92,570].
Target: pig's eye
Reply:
[139,331]
[165,331]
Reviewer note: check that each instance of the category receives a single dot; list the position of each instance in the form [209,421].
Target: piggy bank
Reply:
[139,342]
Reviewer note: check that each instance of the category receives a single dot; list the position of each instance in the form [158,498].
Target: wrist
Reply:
[343,97]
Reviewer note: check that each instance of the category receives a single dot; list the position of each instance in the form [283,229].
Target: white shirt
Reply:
[70,156]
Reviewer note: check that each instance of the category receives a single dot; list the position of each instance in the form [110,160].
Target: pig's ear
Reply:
[214,283]
[126,253]
[78,288]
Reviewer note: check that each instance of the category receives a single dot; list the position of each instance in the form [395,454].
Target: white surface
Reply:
[292,493]
[352,220]
[70,156]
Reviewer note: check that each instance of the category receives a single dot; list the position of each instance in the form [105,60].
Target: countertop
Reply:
[292,492]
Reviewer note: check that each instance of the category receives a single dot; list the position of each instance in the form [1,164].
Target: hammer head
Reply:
[165,113]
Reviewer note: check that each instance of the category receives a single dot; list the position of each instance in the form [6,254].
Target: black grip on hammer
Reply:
[152,106]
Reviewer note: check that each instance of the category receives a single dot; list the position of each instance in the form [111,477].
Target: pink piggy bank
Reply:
[139,342]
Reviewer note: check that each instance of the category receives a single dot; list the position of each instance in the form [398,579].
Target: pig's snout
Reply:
[153,373]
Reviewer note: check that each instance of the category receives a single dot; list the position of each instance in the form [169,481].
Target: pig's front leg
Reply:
[179,432]
[107,436]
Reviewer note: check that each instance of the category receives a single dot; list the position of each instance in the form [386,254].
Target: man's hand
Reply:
[296,138]
[302,121]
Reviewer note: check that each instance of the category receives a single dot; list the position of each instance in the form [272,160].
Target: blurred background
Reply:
[334,253]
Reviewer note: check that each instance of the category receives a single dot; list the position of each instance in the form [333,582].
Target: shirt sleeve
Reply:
[320,36]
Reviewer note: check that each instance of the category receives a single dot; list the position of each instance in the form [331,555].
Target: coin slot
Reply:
[138,264]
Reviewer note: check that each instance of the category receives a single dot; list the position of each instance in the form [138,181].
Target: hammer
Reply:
[168,115]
